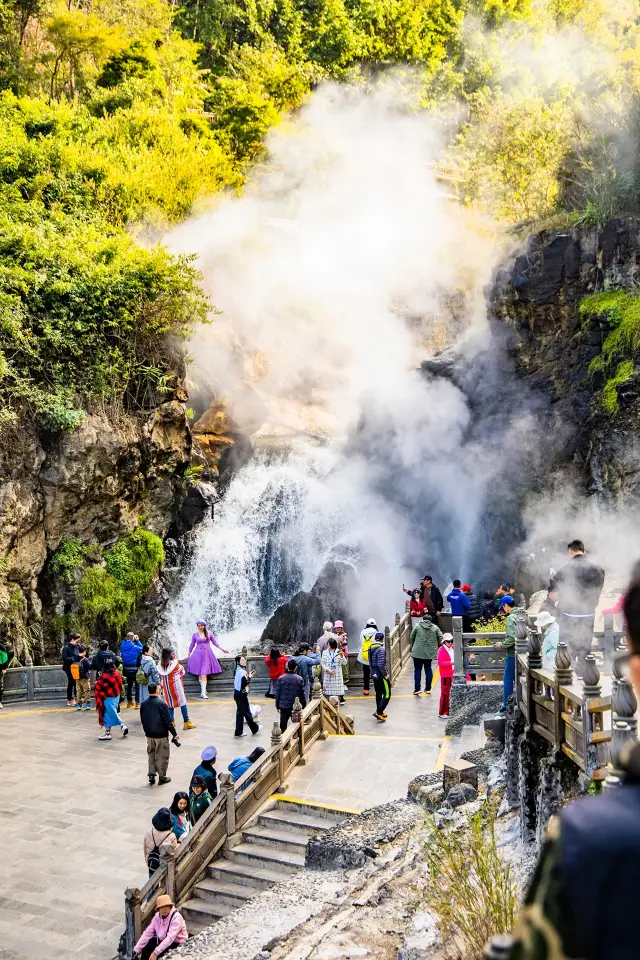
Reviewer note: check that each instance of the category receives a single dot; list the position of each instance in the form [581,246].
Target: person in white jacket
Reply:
[550,637]
[366,639]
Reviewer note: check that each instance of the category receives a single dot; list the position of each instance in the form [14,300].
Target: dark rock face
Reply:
[301,618]
[469,701]
[538,296]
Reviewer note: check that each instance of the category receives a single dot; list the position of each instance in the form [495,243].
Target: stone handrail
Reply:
[230,812]
[398,644]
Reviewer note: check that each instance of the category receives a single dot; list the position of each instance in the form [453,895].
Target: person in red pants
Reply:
[445,665]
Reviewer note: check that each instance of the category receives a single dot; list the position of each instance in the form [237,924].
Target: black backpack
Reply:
[153,860]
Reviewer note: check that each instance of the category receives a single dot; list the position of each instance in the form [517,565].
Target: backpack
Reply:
[153,860]
[141,677]
[75,671]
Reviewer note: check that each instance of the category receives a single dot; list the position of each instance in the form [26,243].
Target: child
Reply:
[206,770]
[445,664]
[81,673]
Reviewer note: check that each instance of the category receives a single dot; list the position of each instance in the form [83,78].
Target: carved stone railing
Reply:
[398,644]
[237,803]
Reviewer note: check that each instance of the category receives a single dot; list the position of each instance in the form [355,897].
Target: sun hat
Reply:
[338,623]
[163,901]
[209,753]
[448,638]
[163,819]
[544,619]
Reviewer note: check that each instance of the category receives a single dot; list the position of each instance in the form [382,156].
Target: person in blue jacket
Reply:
[241,764]
[458,600]
[131,653]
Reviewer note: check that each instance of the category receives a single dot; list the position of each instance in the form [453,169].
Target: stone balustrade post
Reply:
[593,752]
[132,919]
[459,674]
[169,857]
[534,662]
[316,689]
[28,666]
[535,650]
[227,788]
[623,729]
[296,712]
[608,642]
[563,676]
[387,646]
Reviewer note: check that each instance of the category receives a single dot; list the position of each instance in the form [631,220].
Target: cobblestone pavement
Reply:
[74,810]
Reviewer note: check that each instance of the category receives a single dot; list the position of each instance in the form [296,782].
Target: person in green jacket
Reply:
[508,606]
[425,640]
[199,799]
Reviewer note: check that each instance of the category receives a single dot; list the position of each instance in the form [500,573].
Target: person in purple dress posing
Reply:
[202,660]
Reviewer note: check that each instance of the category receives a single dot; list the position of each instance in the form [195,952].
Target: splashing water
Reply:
[280,520]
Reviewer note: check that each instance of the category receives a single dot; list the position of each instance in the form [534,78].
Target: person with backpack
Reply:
[366,639]
[147,673]
[131,652]
[107,693]
[69,654]
[167,931]
[4,664]
[289,687]
[199,799]
[101,657]
[160,832]
[380,676]
[171,673]
[425,639]
[81,673]
[207,770]
[157,725]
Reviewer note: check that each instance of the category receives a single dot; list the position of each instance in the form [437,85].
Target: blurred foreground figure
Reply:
[583,897]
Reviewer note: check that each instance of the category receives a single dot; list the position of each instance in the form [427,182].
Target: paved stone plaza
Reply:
[74,811]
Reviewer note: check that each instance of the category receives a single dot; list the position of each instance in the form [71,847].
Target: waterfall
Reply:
[282,517]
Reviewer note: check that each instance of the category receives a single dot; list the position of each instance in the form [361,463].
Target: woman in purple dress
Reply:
[202,660]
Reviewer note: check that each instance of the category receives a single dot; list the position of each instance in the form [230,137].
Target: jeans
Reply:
[243,713]
[383,693]
[132,686]
[285,716]
[158,755]
[366,676]
[509,678]
[183,710]
[417,674]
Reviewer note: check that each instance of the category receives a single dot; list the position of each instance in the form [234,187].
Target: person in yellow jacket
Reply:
[366,639]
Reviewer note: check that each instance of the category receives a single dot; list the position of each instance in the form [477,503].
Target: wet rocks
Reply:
[359,836]
[460,794]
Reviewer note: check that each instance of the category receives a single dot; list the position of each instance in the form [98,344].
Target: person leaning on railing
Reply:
[582,901]
[508,607]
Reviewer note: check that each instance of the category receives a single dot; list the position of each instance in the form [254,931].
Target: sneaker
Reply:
[427,693]
[1,705]
[365,693]
[188,725]
[162,780]
[240,734]
[379,717]
[71,703]
[416,693]
[204,696]
[385,715]
[443,716]
[79,707]
[341,700]
[105,736]
[88,706]
[346,689]
[137,706]
[129,706]
[258,730]
[125,729]
[152,779]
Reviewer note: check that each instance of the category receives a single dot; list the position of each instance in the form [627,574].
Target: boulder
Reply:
[460,794]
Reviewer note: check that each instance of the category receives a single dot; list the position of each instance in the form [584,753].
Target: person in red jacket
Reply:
[445,665]
[417,606]
[277,664]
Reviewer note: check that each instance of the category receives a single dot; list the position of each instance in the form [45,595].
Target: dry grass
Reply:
[472,891]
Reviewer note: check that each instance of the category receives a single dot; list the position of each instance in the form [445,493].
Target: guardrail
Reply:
[398,644]
[180,869]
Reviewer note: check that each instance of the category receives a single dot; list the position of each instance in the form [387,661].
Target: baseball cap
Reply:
[507,601]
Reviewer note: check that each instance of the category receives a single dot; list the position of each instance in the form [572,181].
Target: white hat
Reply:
[544,619]
[371,622]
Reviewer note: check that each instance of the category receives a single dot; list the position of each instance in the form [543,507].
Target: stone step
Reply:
[235,894]
[249,875]
[290,840]
[281,818]
[266,857]
[332,814]
[203,912]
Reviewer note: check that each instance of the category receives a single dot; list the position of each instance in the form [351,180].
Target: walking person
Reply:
[508,607]
[380,676]
[171,673]
[166,932]
[69,654]
[202,659]
[366,638]
[207,770]
[83,677]
[157,725]
[199,799]
[289,687]
[131,652]
[4,665]
[241,683]
[445,666]
[107,692]
[276,664]
[576,589]
[147,673]
[181,816]
[331,661]
[425,639]
[159,834]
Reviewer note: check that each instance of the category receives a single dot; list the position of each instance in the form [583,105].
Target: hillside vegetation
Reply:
[118,119]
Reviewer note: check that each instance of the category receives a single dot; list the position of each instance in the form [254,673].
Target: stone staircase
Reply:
[271,847]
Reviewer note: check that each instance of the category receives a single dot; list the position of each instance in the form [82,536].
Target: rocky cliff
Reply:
[557,348]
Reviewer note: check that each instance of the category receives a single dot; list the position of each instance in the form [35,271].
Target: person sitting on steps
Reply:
[167,931]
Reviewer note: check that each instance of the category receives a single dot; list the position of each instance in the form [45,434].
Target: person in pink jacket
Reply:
[445,665]
[166,931]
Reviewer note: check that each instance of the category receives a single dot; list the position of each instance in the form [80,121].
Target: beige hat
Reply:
[544,619]
[163,901]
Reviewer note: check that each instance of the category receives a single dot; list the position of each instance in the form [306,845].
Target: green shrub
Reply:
[620,310]
[68,558]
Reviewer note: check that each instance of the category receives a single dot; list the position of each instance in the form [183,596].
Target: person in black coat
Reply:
[157,725]
[289,686]
[576,589]
[69,655]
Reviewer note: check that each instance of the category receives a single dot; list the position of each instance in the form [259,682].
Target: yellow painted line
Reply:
[442,756]
[22,713]
[381,736]
[313,803]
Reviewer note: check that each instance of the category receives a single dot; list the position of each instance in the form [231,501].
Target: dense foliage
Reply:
[620,312]
[119,119]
